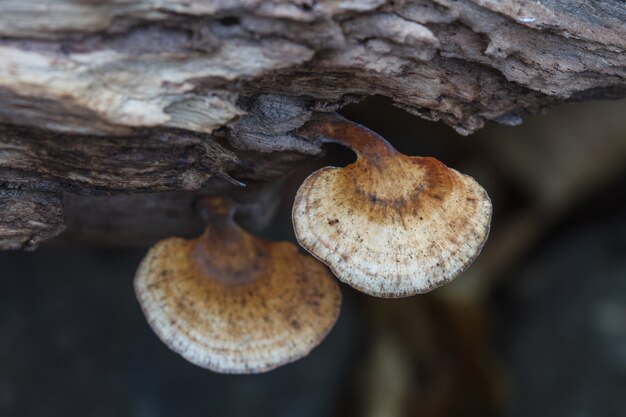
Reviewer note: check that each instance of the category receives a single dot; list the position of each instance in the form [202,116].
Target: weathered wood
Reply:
[102,98]
[28,218]
[142,219]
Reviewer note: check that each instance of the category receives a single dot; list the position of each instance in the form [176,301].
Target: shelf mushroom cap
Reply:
[233,303]
[389,225]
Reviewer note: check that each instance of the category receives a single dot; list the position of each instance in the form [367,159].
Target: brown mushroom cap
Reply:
[234,303]
[389,225]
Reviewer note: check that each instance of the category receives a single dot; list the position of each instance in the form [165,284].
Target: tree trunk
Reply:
[178,98]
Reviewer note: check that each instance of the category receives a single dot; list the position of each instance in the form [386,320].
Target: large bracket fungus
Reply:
[389,225]
[234,303]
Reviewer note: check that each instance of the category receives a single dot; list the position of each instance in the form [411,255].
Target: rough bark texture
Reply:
[101,98]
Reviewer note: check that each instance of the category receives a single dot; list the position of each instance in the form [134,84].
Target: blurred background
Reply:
[535,327]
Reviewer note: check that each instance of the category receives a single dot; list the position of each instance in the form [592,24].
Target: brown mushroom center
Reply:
[226,254]
[382,180]
[410,182]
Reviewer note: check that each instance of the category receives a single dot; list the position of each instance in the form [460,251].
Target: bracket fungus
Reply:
[234,303]
[389,225]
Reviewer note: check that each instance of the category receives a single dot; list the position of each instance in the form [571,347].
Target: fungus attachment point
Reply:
[234,303]
[390,225]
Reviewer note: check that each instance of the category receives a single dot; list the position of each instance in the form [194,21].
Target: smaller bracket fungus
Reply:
[233,303]
[389,225]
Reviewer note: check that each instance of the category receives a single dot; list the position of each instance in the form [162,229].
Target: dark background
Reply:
[536,327]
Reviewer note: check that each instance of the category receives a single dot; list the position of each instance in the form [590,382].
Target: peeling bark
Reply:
[107,98]
[28,218]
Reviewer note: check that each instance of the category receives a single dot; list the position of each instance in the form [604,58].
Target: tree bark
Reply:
[184,97]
